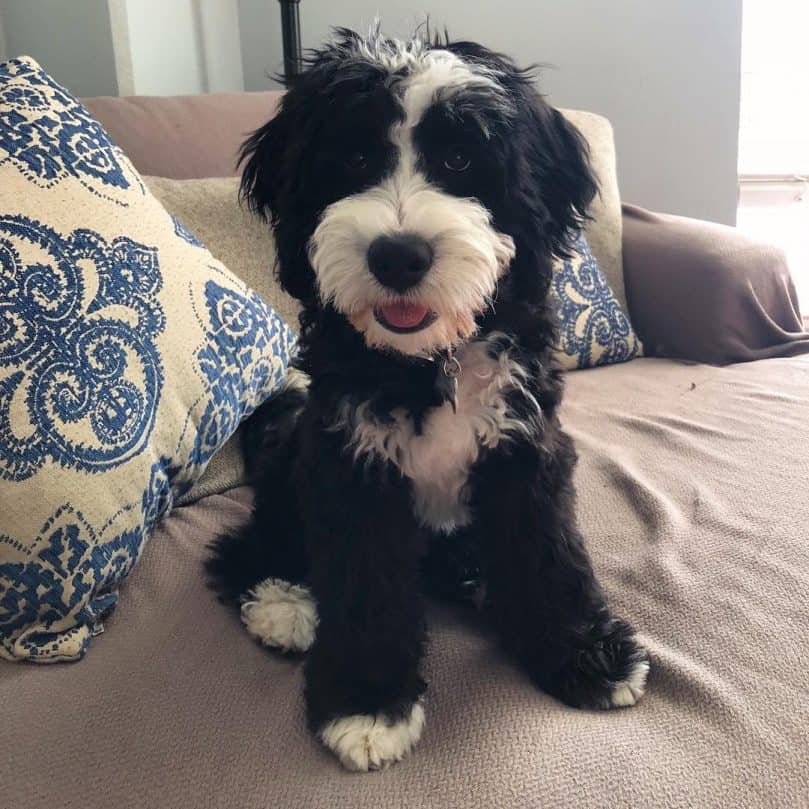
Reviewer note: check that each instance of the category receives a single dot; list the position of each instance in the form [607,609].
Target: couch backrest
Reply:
[187,137]
[183,137]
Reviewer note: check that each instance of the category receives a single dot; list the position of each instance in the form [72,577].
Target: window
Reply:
[774,131]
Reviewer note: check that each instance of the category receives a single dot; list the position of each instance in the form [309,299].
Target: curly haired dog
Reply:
[418,192]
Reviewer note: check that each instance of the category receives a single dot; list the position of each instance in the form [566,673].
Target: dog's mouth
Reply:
[404,317]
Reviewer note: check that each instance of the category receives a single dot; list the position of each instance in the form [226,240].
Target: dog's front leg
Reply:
[548,608]
[363,686]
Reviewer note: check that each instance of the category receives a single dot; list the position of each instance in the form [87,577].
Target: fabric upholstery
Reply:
[190,137]
[690,484]
[210,209]
[183,136]
[705,292]
[128,355]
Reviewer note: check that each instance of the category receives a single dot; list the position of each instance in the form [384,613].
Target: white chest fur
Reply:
[438,459]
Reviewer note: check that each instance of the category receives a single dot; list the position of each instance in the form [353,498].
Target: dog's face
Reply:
[409,183]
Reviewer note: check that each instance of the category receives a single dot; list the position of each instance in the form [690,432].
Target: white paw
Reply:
[281,615]
[365,742]
[627,692]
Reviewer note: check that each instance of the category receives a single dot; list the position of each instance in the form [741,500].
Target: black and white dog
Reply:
[418,191]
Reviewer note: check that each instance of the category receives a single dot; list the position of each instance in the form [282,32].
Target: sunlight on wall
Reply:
[784,221]
[774,124]
[774,131]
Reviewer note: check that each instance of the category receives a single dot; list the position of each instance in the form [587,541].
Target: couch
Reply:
[692,481]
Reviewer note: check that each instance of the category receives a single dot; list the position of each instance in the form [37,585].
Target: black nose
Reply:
[400,261]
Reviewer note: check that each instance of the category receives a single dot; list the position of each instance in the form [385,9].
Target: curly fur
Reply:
[373,476]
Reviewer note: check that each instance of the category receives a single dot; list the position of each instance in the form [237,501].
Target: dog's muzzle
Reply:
[399,262]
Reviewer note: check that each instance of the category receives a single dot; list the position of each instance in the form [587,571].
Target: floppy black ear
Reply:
[269,158]
[560,165]
[261,158]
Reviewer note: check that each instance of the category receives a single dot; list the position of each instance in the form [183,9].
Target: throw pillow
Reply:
[593,328]
[128,355]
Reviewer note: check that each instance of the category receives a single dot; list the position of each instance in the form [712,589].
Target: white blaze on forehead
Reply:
[434,75]
[416,56]
[392,54]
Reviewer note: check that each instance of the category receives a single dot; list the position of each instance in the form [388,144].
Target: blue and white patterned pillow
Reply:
[128,355]
[593,328]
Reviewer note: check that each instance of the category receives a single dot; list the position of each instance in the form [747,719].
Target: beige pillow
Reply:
[210,209]
[128,355]
[604,231]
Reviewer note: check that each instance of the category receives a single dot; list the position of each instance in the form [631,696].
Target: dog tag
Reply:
[452,370]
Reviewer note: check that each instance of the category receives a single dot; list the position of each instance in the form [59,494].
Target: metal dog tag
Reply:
[452,370]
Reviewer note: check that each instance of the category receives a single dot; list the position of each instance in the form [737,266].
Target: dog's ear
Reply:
[261,159]
[268,157]
[560,164]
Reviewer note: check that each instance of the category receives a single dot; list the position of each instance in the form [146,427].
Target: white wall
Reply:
[183,46]
[164,47]
[3,51]
[71,40]
[119,32]
[665,72]
[260,26]
[144,47]
[221,44]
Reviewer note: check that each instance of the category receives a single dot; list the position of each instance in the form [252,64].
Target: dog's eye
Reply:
[357,161]
[456,159]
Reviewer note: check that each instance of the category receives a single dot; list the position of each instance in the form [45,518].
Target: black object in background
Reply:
[291,33]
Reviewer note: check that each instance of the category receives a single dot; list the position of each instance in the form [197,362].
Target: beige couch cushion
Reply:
[175,706]
[183,136]
[706,292]
[210,209]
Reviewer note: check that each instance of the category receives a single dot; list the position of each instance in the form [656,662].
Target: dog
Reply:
[418,192]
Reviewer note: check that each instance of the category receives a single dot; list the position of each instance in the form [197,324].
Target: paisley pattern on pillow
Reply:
[49,137]
[51,604]
[236,365]
[128,356]
[593,328]
[78,323]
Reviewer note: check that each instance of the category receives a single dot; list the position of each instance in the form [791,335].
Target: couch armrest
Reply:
[704,292]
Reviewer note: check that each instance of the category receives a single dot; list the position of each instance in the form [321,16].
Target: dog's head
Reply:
[412,184]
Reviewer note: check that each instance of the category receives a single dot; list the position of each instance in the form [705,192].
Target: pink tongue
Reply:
[404,315]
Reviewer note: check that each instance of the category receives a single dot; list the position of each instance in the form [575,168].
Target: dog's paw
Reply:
[609,673]
[281,615]
[628,691]
[364,742]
